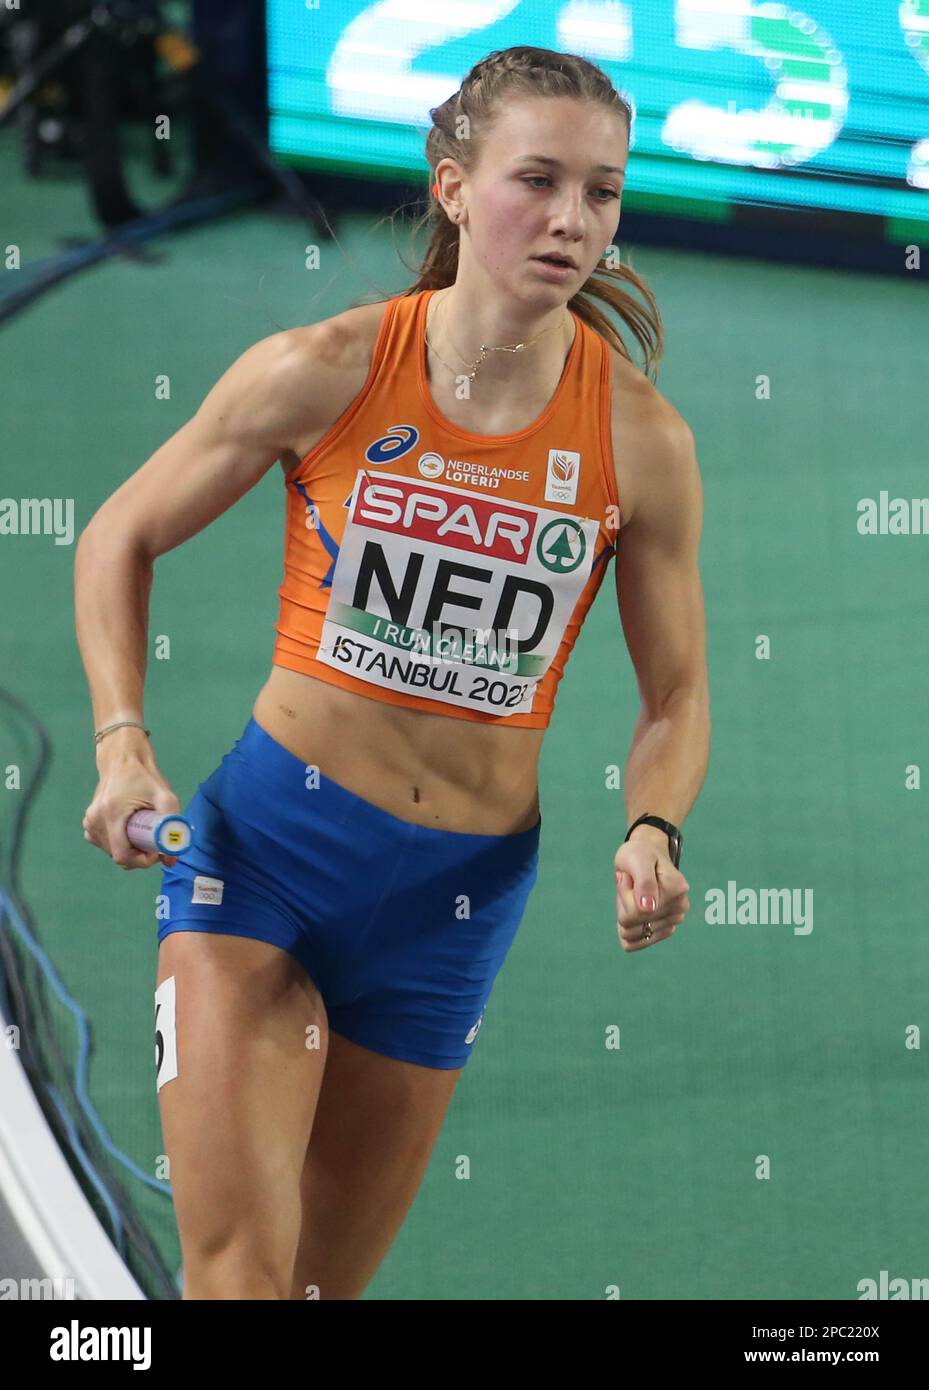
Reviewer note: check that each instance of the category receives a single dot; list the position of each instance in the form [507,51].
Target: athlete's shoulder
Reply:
[636,396]
[345,340]
[651,438]
[317,369]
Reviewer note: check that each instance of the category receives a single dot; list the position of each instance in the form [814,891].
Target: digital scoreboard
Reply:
[736,104]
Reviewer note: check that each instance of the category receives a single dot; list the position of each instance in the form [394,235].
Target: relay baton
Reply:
[153,832]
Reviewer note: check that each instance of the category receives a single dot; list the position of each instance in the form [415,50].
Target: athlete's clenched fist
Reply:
[651,894]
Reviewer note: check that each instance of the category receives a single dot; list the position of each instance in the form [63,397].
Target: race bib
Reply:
[450,596]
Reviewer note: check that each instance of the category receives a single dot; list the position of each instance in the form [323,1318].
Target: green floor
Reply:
[590,1168]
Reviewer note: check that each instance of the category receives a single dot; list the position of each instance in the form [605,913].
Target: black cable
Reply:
[55,270]
[32,1016]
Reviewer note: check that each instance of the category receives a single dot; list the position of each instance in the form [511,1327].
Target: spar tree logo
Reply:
[561,545]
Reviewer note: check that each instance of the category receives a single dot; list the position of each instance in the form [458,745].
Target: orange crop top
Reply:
[442,570]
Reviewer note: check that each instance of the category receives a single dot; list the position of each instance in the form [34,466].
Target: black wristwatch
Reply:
[675,838]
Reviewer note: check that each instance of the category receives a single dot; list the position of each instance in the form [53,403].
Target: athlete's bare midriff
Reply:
[432,769]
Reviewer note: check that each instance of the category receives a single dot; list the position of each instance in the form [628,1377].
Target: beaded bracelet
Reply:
[130,723]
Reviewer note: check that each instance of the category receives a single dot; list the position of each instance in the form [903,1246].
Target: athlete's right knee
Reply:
[237,1107]
[244,1262]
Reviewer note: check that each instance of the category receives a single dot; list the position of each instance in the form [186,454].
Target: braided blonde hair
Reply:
[520,72]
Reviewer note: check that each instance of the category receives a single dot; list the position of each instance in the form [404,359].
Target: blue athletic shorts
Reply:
[401,927]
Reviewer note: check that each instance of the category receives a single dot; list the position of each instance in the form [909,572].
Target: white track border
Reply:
[55,1218]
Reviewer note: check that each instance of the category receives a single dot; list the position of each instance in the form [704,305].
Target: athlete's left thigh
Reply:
[376,1124]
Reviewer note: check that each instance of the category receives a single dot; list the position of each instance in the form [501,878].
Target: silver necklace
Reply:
[485,349]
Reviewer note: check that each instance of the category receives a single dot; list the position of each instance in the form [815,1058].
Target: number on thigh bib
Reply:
[165,1032]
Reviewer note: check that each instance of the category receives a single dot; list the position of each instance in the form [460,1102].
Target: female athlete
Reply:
[460,461]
